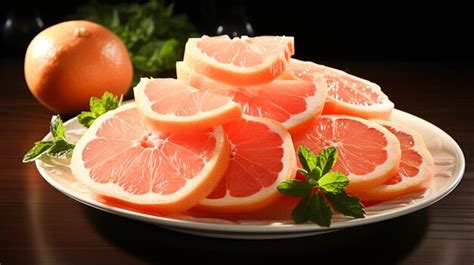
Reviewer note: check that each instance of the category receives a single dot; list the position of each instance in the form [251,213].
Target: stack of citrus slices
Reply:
[222,136]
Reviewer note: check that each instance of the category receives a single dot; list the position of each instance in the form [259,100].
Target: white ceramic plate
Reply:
[449,169]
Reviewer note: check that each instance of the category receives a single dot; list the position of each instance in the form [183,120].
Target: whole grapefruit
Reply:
[70,62]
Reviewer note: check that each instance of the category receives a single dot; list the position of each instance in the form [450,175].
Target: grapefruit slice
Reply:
[172,106]
[121,157]
[347,94]
[368,154]
[261,157]
[415,171]
[295,103]
[239,61]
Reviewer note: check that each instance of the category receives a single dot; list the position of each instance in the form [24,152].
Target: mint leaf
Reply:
[326,159]
[333,182]
[110,102]
[301,212]
[86,118]
[39,148]
[322,191]
[57,127]
[101,105]
[319,210]
[60,147]
[307,158]
[313,176]
[98,106]
[346,204]
[295,188]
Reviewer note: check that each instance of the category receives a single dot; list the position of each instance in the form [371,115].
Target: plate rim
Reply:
[274,228]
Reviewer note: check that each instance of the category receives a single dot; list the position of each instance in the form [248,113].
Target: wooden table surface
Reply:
[39,225]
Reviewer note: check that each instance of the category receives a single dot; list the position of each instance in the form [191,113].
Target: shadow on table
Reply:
[385,242]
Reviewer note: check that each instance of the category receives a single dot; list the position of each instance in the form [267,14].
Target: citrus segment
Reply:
[239,61]
[367,152]
[172,106]
[121,157]
[347,94]
[261,157]
[294,103]
[415,171]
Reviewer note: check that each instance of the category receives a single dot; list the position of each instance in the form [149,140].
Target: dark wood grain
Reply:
[39,225]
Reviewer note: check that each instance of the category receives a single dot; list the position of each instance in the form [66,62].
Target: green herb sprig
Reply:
[322,191]
[57,147]
[99,106]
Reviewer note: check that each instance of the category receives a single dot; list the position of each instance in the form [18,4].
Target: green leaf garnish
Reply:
[300,213]
[39,148]
[86,118]
[307,158]
[322,191]
[319,211]
[98,106]
[57,127]
[59,146]
[333,182]
[345,204]
[313,176]
[294,188]
[326,159]
[309,161]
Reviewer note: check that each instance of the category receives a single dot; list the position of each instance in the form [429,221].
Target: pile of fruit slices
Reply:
[225,133]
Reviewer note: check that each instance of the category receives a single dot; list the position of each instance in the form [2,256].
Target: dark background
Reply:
[323,30]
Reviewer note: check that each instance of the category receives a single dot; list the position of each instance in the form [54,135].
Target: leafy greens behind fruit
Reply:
[155,37]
